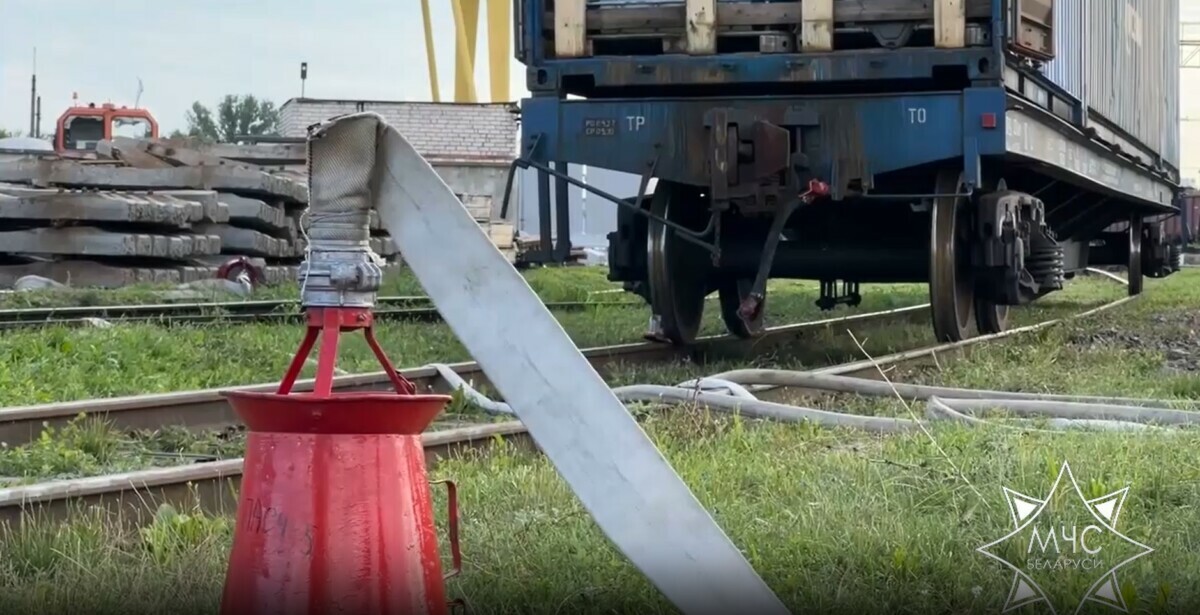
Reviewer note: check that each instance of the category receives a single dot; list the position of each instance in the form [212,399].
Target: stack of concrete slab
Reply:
[291,159]
[154,211]
[286,160]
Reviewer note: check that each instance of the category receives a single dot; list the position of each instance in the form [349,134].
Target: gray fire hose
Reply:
[490,406]
[862,386]
[358,162]
[960,405]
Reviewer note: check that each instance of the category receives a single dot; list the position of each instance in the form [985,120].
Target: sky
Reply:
[184,51]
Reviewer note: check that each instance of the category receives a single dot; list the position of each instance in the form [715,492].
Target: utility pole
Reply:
[33,97]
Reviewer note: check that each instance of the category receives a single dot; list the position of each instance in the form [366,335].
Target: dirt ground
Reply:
[1174,334]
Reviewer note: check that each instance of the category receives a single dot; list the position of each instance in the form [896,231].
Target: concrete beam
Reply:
[212,210]
[383,246]
[45,173]
[130,155]
[236,240]
[266,154]
[83,274]
[56,206]
[88,241]
[255,214]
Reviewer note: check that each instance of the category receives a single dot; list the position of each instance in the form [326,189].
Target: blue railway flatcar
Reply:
[991,148]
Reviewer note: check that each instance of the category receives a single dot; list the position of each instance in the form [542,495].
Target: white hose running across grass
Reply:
[729,392]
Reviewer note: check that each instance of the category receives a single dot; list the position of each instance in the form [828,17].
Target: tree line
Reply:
[231,117]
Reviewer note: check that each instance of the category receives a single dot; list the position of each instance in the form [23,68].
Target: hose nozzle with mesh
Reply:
[340,269]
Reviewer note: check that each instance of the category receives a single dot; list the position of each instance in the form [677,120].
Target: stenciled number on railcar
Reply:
[599,127]
[917,115]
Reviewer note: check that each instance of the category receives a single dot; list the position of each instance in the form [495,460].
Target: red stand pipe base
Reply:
[335,513]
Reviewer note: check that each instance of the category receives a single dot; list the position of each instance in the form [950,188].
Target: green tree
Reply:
[4,133]
[236,115]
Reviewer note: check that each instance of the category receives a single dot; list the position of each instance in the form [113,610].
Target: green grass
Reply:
[567,284]
[135,359]
[90,446]
[551,283]
[56,456]
[835,521]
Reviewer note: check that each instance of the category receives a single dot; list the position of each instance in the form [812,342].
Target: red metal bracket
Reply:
[455,549]
[329,324]
[750,306]
[816,188]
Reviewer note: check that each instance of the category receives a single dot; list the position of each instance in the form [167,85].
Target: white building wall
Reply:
[471,147]
[436,130]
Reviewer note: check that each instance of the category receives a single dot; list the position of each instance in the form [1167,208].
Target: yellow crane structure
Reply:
[466,34]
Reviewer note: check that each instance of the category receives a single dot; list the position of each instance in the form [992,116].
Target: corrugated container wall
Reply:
[1067,68]
[1171,64]
[1132,69]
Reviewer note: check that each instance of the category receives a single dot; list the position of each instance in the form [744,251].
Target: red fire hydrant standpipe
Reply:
[358,163]
[335,513]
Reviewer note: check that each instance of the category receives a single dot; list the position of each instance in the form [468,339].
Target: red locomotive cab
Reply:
[81,127]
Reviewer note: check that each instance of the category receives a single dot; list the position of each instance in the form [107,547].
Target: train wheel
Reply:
[1135,254]
[990,317]
[678,269]
[951,283]
[731,293]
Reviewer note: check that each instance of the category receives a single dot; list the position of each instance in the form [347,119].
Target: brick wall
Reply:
[438,131]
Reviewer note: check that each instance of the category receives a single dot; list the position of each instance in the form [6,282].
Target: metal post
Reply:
[562,213]
[544,212]
[33,96]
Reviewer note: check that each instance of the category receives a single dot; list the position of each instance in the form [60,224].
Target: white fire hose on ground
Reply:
[1065,412]
[358,162]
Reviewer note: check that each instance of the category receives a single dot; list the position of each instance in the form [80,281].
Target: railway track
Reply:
[389,308]
[207,409]
[214,484]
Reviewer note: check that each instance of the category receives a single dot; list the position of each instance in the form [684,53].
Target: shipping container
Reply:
[1133,69]
[1121,59]
[1067,69]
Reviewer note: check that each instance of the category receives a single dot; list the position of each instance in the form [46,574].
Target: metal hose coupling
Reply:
[339,269]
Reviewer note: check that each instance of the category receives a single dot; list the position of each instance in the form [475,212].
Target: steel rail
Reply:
[268,311]
[161,309]
[423,314]
[207,408]
[231,309]
[213,485]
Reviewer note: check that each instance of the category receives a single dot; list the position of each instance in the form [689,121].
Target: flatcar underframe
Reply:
[989,198]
